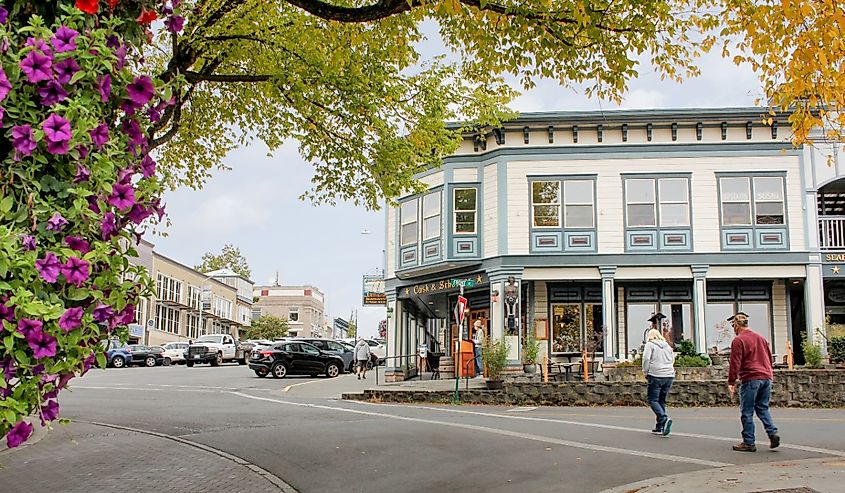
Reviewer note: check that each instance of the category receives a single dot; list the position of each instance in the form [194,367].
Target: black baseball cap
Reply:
[729,319]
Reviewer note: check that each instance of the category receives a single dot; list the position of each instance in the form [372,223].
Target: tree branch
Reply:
[194,77]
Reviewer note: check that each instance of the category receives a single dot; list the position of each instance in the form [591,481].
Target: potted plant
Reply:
[530,350]
[495,356]
[714,355]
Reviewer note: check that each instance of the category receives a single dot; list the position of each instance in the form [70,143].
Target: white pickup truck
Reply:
[214,349]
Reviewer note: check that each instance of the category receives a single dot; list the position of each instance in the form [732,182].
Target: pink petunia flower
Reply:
[71,319]
[76,271]
[122,196]
[37,66]
[43,345]
[56,222]
[29,242]
[56,129]
[18,434]
[23,140]
[48,267]
[63,40]
[29,328]
[78,243]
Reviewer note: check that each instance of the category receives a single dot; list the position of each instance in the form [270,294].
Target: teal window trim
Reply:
[537,234]
[404,259]
[756,232]
[658,232]
[452,238]
[453,213]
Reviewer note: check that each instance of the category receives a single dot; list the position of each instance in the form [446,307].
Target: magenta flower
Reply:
[77,243]
[37,66]
[43,345]
[148,166]
[133,130]
[71,319]
[174,23]
[56,222]
[23,140]
[29,242]
[120,53]
[4,15]
[64,379]
[129,107]
[65,69]
[5,85]
[108,226]
[141,90]
[18,434]
[56,129]
[103,313]
[82,174]
[122,196]
[58,148]
[104,87]
[49,411]
[9,368]
[76,270]
[48,267]
[7,313]
[154,113]
[100,135]
[52,93]
[29,328]
[138,213]
[126,316]
[39,45]
[92,203]
[63,40]
[83,151]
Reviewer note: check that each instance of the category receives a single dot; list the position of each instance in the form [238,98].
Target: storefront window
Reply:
[637,324]
[566,328]
[720,333]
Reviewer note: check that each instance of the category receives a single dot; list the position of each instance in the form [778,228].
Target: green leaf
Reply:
[6,204]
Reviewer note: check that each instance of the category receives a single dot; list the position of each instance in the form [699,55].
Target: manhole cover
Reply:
[803,489]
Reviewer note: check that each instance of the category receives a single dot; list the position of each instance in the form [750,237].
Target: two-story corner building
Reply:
[188,304]
[302,306]
[579,226]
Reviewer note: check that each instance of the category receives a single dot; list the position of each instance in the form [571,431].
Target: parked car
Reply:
[333,347]
[144,355]
[158,353]
[174,352]
[295,358]
[378,349]
[214,349]
[117,354]
[250,345]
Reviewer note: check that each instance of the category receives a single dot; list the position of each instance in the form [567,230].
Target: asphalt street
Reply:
[298,430]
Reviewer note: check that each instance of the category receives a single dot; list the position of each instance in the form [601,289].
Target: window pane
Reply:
[545,192]
[758,319]
[409,211]
[566,328]
[409,234]
[719,332]
[639,191]
[674,215]
[578,191]
[579,216]
[769,213]
[673,189]
[465,222]
[641,215]
[637,325]
[736,214]
[431,204]
[735,189]
[592,325]
[768,188]
[546,215]
[431,227]
[464,199]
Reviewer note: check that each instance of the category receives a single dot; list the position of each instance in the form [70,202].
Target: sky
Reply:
[255,205]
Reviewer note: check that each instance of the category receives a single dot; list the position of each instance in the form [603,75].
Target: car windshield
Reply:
[214,338]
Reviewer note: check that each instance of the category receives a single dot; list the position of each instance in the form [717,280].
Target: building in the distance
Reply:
[302,306]
[340,328]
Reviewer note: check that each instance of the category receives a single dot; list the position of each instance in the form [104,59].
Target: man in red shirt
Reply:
[751,363]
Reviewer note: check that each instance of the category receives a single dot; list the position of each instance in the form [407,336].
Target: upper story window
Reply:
[408,218]
[653,202]
[168,289]
[431,216]
[293,314]
[545,204]
[223,307]
[194,296]
[746,199]
[465,208]
[577,203]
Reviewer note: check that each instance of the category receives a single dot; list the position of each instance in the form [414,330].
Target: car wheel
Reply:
[167,362]
[118,362]
[261,373]
[279,370]
[150,361]
[332,370]
[216,361]
[189,364]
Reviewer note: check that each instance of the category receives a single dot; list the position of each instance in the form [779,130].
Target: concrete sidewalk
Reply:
[805,476]
[82,457]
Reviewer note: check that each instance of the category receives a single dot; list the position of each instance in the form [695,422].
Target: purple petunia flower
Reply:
[138,213]
[29,242]
[29,327]
[49,411]
[9,368]
[37,66]
[126,316]
[77,243]
[141,90]
[148,166]
[133,130]
[64,379]
[120,53]
[100,135]
[7,313]
[4,15]
[63,40]
[104,87]
[58,148]
[108,226]
[124,176]
[37,369]
[82,174]
[76,270]
[39,45]
[103,313]
[65,69]
[43,345]
[122,196]
[5,85]
[56,222]
[56,129]
[174,23]
[48,267]
[23,140]
[83,151]
[52,93]
[71,319]
[18,434]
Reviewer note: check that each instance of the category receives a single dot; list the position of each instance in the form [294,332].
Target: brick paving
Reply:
[81,457]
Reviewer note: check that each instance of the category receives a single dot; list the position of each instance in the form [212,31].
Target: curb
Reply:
[38,433]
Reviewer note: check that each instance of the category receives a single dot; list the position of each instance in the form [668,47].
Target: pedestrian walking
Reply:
[751,363]
[659,370]
[362,356]
[478,342]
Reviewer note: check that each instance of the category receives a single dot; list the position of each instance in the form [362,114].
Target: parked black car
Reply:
[334,347]
[142,355]
[294,358]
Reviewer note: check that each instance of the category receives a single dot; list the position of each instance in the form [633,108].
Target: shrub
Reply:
[695,360]
[495,356]
[637,363]
[812,354]
[530,350]
[686,348]
[836,349]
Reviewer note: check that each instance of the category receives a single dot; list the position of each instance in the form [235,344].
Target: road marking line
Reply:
[837,453]
[94,387]
[523,409]
[527,436]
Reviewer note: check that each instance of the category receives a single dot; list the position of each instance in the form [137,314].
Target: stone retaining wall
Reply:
[794,388]
[634,374]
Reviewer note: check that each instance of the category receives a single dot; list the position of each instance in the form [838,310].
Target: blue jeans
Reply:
[658,389]
[754,398]
[478,363]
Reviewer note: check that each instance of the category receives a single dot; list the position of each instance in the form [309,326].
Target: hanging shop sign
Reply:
[451,284]
[374,294]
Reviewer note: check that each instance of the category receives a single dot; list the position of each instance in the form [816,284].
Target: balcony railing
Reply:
[832,232]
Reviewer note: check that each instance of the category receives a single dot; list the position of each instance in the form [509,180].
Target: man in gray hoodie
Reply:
[659,370]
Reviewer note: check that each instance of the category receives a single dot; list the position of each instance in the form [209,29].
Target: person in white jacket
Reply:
[659,370]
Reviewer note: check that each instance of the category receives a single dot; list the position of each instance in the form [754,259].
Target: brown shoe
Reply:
[744,447]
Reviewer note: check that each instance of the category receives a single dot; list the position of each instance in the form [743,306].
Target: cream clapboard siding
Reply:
[465,175]
[779,317]
[491,208]
[390,244]
[541,312]
[609,195]
[433,180]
